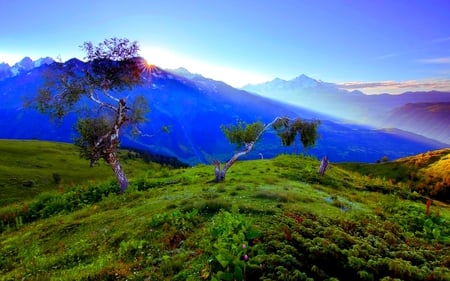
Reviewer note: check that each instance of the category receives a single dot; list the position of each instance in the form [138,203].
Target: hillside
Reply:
[423,113]
[271,220]
[427,173]
[31,167]
[427,119]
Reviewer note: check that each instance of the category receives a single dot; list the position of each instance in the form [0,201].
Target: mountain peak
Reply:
[305,81]
[183,72]
[26,64]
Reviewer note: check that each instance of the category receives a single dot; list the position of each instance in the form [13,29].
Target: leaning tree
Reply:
[245,136]
[96,92]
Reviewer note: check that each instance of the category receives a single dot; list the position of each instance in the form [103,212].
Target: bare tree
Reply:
[96,92]
[245,136]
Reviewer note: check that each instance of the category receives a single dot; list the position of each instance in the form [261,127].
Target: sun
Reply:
[163,58]
[147,67]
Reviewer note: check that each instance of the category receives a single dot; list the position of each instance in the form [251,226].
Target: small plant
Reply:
[56,178]
[233,237]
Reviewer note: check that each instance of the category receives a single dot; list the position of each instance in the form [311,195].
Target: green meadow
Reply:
[272,219]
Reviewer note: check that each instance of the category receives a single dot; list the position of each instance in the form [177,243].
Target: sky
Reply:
[376,46]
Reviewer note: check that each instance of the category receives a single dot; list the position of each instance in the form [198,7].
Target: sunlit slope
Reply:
[427,173]
[30,167]
[271,220]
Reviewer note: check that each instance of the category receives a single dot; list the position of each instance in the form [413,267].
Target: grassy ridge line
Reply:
[29,167]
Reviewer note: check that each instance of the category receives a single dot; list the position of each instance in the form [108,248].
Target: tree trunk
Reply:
[106,147]
[113,161]
[220,173]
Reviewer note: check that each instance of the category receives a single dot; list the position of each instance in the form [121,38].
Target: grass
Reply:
[271,220]
[427,173]
[28,168]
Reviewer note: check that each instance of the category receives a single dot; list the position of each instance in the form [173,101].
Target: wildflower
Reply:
[244,246]
[245,257]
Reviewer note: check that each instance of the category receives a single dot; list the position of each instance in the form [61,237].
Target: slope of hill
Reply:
[28,168]
[427,173]
[194,109]
[358,107]
[272,220]
[427,119]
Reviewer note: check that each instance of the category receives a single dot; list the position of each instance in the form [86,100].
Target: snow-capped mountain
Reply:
[26,64]
[354,106]
[195,109]
[302,83]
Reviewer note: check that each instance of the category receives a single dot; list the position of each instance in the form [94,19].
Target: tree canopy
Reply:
[245,136]
[95,91]
[288,129]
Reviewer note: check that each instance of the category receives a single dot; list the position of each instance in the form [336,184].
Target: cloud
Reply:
[397,87]
[442,60]
[440,40]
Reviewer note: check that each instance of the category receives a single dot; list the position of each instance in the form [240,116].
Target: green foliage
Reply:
[243,133]
[89,131]
[426,174]
[113,66]
[116,49]
[290,228]
[231,250]
[288,129]
[51,167]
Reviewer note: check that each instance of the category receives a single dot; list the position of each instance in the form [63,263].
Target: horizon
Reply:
[382,47]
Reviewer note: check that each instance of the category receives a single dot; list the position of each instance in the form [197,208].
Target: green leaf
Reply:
[238,275]
[227,276]
[222,260]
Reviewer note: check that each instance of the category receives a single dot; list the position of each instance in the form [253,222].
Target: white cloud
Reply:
[440,40]
[398,87]
[442,60]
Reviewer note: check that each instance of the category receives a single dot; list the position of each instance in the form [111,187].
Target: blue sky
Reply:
[373,45]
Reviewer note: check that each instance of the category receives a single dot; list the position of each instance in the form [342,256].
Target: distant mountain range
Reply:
[26,64]
[194,108]
[376,110]
[427,119]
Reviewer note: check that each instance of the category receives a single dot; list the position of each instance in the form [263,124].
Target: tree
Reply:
[245,136]
[288,129]
[95,91]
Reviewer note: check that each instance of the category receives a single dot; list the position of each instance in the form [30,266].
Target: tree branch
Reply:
[102,104]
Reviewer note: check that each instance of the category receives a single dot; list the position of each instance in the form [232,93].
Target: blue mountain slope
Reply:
[194,110]
[358,107]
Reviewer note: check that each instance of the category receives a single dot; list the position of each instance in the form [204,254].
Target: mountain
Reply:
[354,106]
[26,64]
[193,109]
[428,119]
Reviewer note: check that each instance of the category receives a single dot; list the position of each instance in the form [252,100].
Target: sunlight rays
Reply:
[170,60]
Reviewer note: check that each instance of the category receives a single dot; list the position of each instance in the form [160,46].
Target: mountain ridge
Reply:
[194,109]
[24,65]
[355,105]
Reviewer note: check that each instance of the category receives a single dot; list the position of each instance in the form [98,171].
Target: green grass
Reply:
[29,167]
[427,173]
[271,220]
